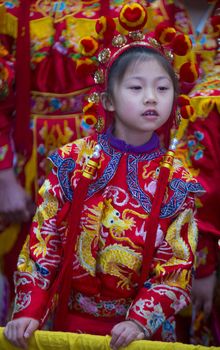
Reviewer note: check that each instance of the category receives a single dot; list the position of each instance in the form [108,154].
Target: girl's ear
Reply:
[107,102]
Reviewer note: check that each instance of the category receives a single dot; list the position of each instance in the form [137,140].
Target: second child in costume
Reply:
[40,106]
[114,235]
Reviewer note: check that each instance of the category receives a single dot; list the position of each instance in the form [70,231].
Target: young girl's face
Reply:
[142,101]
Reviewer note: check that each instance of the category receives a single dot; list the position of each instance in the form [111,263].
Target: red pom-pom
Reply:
[88,46]
[133,17]
[105,27]
[90,119]
[183,100]
[189,72]
[181,44]
[85,67]
[164,33]
[187,112]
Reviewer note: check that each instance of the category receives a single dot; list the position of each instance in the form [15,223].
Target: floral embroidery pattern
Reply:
[99,308]
[22,301]
[196,148]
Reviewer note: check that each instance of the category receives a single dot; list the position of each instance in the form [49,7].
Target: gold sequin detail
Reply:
[169,55]
[136,35]
[153,42]
[119,40]
[93,98]
[100,124]
[99,77]
[104,55]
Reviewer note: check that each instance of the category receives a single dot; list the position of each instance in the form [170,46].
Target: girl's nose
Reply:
[149,97]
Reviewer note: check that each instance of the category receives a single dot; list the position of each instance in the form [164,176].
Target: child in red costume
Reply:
[114,232]
[38,52]
[199,148]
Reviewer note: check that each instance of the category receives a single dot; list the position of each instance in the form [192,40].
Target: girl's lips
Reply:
[150,112]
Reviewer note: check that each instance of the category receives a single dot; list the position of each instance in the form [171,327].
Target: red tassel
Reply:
[64,280]
[154,216]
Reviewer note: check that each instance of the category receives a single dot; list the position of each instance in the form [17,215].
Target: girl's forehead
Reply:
[145,66]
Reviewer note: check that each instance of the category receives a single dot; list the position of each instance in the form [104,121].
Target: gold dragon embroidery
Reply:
[181,250]
[46,210]
[115,259]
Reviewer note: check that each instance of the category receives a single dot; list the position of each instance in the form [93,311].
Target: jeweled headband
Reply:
[100,52]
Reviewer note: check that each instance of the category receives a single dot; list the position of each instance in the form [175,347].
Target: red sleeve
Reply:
[168,290]
[36,268]
[40,258]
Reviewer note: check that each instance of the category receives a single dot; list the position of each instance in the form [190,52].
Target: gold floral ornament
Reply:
[154,43]
[94,98]
[100,125]
[119,40]
[169,55]
[99,76]
[136,35]
[104,55]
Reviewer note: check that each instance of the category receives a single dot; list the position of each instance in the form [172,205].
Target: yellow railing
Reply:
[44,340]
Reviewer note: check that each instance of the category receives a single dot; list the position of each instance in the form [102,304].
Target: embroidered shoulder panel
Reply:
[132,177]
[180,190]
[64,168]
[109,171]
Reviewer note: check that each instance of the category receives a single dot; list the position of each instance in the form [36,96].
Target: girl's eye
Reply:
[135,87]
[163,88]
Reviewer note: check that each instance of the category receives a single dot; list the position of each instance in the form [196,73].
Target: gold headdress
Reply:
[99,53]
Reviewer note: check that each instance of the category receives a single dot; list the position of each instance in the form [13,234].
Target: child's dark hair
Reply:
[137,54]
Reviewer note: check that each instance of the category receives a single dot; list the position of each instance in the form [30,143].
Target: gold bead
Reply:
[90,169]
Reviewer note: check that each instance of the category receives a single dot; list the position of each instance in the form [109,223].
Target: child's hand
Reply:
[15,204]
[202,293]
[18,331]
[124,333]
